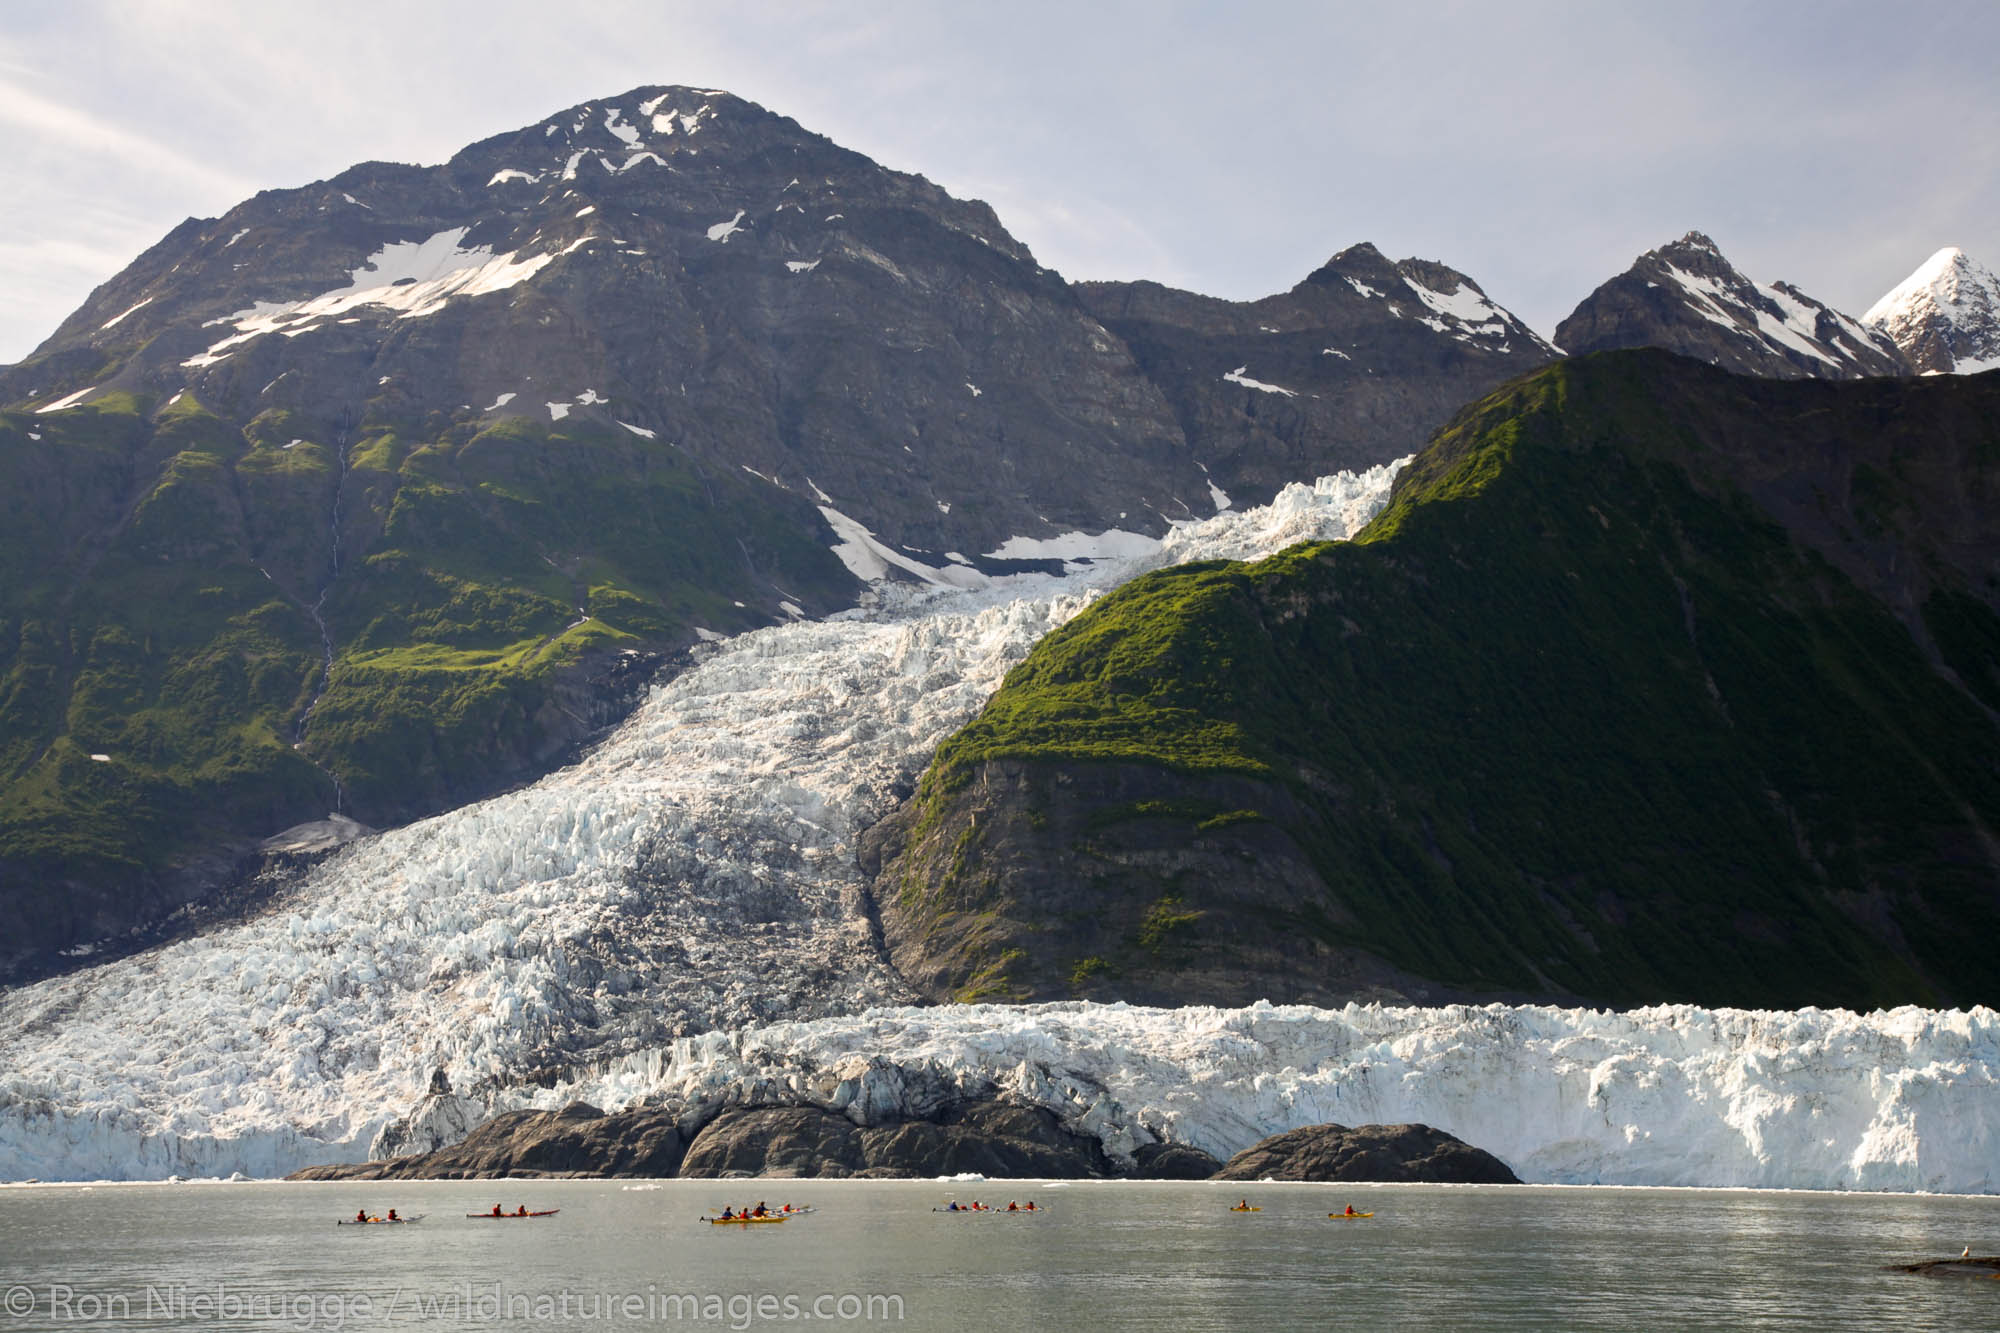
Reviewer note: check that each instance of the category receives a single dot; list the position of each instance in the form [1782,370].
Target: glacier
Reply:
[678,919]
[1903,1100]
[695,871]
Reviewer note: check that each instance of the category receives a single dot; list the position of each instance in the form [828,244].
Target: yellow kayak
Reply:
[742,1221]
[1349,1217]
[1246,1210]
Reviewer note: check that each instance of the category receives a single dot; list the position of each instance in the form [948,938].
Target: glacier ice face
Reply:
[695,871]
[1675,1095]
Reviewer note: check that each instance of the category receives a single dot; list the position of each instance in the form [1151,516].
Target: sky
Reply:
[1228,148]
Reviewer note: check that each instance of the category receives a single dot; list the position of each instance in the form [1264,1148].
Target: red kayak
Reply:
[515,1217]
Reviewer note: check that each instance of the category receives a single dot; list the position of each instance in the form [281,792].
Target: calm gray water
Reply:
[1109,1256]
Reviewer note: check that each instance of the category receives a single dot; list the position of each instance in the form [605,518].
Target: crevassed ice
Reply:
[1671,1095]
[694,872]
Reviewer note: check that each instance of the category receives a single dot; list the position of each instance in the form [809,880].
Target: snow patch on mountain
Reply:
[1237,376]
[416,278]
[119,318]
[67,400]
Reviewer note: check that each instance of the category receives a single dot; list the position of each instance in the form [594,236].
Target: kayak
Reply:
[743,1221]
[515,1217]
[1247,1210]
[1349,1217]
[1032,1212]
[380,1221]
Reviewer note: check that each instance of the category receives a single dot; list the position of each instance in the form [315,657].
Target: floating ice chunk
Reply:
[1237,376]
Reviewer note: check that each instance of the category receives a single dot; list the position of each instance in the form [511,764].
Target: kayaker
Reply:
[1013,1207]
[393,1217]
[361,1214]
[761,1211]
[1350,1210]
[727,1215]
[1242,1205]
[522,1211]
[496,1210]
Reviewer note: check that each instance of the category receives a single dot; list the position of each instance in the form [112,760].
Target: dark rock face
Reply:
[1686,298]
[578,1140]
[1175,914]
[989,1138]
[1395,1154]
[1357,364]
[1172,1161]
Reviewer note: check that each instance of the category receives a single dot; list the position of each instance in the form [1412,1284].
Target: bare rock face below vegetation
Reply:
[1396,1154]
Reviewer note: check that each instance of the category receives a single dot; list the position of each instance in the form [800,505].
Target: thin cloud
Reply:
[79,131]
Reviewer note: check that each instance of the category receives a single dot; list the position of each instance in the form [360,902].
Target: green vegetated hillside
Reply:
[1652,684]
[497,581]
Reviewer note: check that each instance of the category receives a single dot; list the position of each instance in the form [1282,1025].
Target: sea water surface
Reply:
[874,1254]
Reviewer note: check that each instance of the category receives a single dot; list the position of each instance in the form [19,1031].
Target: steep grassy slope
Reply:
[1651,684]
[171,587]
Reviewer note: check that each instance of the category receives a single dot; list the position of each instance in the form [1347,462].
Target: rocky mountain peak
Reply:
[1945,316]
[1687,297]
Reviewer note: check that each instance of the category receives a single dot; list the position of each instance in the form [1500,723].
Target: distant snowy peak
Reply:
[1687,298]
[1430,294]
[1945,316]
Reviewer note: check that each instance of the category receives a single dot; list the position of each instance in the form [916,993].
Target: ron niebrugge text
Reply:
[492,1302]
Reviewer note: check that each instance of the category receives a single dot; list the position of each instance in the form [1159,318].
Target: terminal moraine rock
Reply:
[1398,1154]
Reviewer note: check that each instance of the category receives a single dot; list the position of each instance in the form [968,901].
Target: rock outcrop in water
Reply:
[578,1140]
[1385,1153]
[985,1138]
